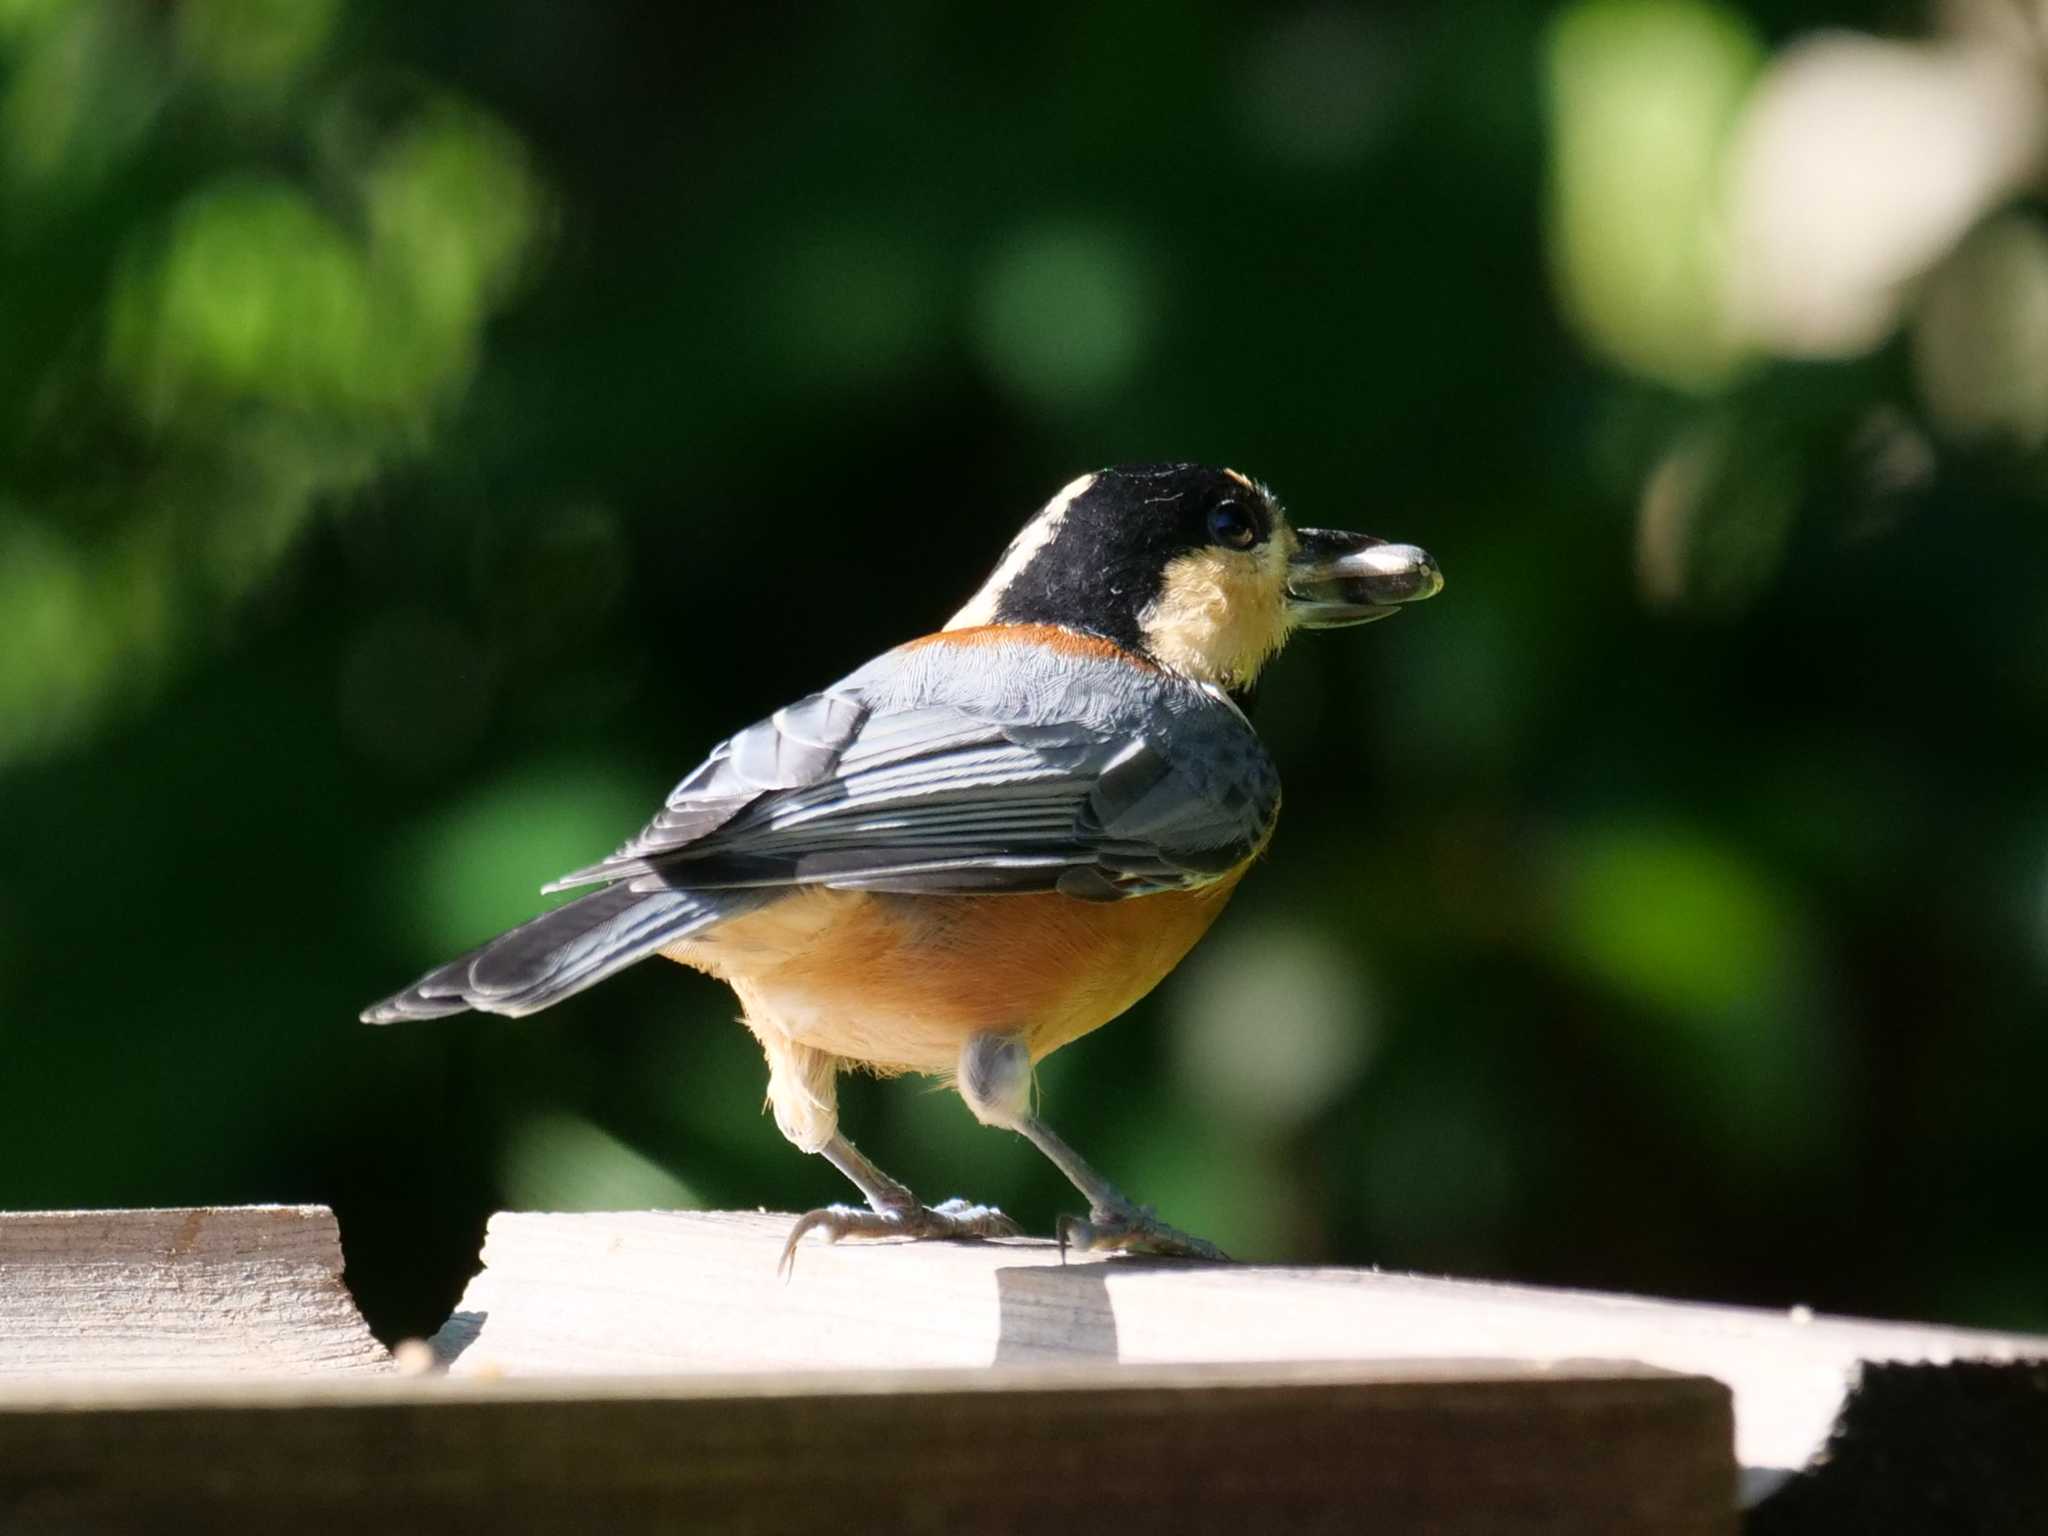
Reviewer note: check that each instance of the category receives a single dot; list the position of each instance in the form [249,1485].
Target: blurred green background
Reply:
[424,430]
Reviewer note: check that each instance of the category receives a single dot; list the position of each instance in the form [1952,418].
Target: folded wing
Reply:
[1005,768]
[949,785]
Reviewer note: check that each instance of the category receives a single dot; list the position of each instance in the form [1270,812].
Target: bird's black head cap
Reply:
[1097,558]
[1196,569]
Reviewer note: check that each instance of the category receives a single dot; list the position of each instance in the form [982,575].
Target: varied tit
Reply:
[984,843]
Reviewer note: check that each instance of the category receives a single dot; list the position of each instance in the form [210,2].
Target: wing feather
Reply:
[933,781]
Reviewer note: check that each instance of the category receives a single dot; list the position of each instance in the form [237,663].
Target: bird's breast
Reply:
[899,982]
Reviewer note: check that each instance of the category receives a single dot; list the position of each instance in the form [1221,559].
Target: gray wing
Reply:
[957,772]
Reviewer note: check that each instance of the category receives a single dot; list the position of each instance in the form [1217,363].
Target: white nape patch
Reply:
[981,608]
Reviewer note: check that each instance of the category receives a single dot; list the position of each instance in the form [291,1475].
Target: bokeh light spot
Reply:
[254,42]
[1859,162]
[1675,921]
[1729,1034]
[254,293]
[1317,85]
[1714,520]
[79,91]
[1064,315]
[1980,339]
[1271,1024]
[59,657]
[20,18]
[454,212]
[1643,94]
[478,869]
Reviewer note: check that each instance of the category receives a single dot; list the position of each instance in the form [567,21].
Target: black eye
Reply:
[1232,527]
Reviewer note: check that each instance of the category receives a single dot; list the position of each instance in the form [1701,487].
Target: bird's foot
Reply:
[950,1218]
[1132,1229]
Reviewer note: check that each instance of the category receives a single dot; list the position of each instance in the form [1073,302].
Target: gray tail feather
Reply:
[563,951]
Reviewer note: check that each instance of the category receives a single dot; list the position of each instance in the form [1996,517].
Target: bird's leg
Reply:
[1113,1222]
[803,1089]
[893,1211]
[995,1080]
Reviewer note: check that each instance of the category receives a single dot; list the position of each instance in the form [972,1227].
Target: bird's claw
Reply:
[1132,1229]
[949,1218]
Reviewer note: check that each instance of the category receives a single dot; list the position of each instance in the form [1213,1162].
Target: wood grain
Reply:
[697,1291]
[1449,1449]
[652,1371]
[198,1292]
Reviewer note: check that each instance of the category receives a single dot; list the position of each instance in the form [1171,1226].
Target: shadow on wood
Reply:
[1054,1314]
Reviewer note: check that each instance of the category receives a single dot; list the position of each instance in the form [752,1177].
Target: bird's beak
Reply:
[1337,578]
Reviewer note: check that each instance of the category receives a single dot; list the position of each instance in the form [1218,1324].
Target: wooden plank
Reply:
[698,1291]
[195,1292]
[1453,1450]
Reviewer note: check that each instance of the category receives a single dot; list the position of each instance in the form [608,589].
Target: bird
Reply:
[984,843]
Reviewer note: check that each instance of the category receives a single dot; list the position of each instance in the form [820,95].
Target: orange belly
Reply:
[897,983]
